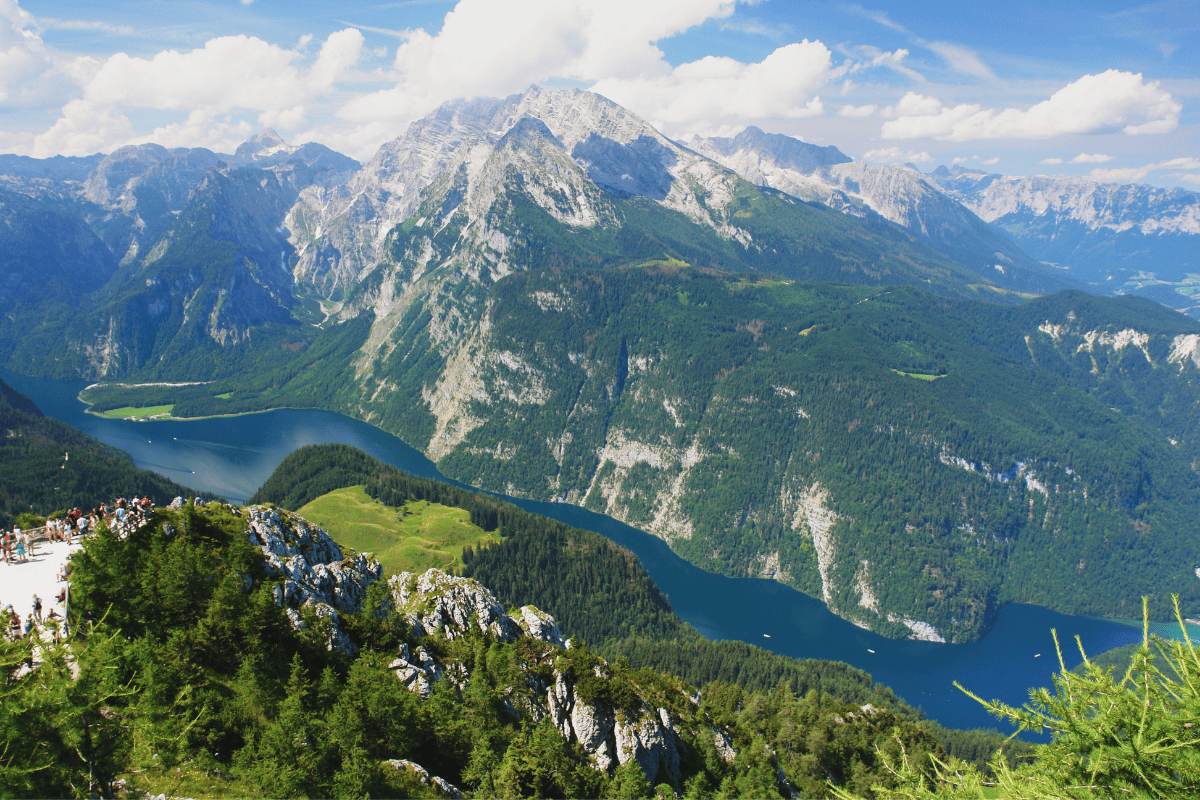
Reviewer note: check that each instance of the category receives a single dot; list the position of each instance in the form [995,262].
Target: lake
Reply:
[233,456]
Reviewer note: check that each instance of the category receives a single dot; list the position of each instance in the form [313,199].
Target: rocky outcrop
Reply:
[442,787]
[453,608]
[438,604]
[315,573]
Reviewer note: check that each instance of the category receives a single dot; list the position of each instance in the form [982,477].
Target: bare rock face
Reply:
[437,604]
[442,787]
[539,625]
[451,607]
[649,739]
[593,727]
[417,671]
[315,572]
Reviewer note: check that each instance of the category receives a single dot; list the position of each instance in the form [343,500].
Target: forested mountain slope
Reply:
[49,466]
[238,651]
[573,307]
[913,461]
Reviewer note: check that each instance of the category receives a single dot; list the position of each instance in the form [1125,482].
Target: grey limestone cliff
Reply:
[315,574]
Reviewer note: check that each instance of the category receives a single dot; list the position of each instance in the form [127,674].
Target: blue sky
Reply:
[1098,88]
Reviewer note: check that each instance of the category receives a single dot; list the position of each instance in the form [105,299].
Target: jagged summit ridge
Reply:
[899,194]
[452,607]
[340,233]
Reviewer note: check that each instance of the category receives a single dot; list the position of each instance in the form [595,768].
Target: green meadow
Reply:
[141,413]
[410,539]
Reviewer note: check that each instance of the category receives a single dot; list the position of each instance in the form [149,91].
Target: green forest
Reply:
[184,676]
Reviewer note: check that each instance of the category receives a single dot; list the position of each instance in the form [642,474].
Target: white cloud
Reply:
[1052,161]
[992,161]
[26,66]
[961,59]
[85,127]
[913,105]
[858,111]
[1111,100]
[495,47]
[229,74]
[880,17]
[713,90]
[84,25]
[1178,166]
[960,160]
[1084,158]
[894,155]
[1189,178]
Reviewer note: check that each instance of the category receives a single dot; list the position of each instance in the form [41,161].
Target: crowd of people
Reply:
[19,546]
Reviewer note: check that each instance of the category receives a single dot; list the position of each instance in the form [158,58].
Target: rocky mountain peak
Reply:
[452,607]
[528,132]
[263,142]
[781,150]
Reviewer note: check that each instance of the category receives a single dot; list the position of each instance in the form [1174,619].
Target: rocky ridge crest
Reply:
[316,574]
[452,608]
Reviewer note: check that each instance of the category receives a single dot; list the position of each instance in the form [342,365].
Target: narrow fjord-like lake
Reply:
[233,456]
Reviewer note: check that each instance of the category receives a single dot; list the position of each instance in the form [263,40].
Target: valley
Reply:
[230,455]
[784,364]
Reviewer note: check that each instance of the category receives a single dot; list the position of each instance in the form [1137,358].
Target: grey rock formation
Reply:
[539,625]
[438,604]
[443,788]
[316,575]
[417,671]
[649,739]
[452,607]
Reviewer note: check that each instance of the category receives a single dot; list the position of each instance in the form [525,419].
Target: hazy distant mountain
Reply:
[899,194]
[1105,234]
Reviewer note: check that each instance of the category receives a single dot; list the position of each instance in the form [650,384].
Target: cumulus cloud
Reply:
[26,66]
[1112,100]
[494,47]
[1177,167]
[228,75]
[1097,158]
[894,155]
[1052,161]
[714,89]
[992,161]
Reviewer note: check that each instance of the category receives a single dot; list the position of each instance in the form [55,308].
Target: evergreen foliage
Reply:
[598,592]
[1114,734]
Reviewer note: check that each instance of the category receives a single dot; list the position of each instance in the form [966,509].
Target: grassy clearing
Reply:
[186,780]
[143,412]
[921,376]
[414,538]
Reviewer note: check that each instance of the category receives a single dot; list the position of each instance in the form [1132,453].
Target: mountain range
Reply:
[860,380]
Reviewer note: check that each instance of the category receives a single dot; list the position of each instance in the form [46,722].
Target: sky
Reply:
[1104,89]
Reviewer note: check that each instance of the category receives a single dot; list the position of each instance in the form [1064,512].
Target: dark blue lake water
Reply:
[233,456]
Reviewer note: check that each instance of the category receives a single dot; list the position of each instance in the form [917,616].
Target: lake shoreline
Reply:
[233,455]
